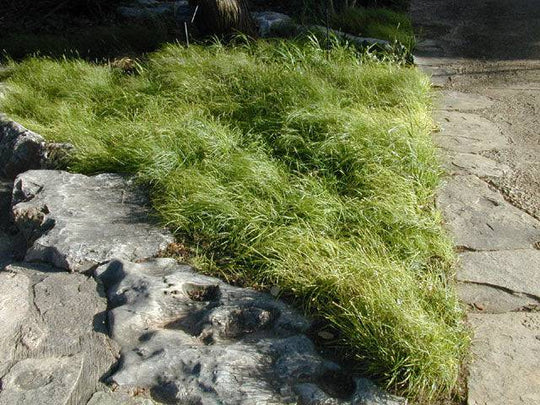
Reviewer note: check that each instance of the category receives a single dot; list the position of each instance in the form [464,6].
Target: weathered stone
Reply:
[44,381]
[459,101]
[76,222]
[517,271]
[470,163]
[506,359]
[115,398]
[190,338]
[10,243]
[56,342]
[14,308]
[368,393]
[20,149]
[468,133]
[270,21]
[480,219]
[491,299]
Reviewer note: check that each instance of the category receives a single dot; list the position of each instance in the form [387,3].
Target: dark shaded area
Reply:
[483,29]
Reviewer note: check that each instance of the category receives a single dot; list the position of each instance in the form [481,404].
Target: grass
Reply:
[277,164]
[381,23]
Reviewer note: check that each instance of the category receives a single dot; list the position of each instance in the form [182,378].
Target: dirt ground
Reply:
[492,48]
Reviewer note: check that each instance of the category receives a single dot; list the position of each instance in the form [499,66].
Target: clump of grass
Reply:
[279,164]
[381,23]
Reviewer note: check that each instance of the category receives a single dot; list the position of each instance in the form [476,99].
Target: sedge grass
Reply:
[279,164]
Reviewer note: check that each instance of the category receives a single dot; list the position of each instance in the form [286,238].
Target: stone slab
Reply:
[484,298]
[458,101]
[467,133]
[76,222]
[189,338]
[20,149]
[115,398]
[479,218]
[470,163]
[55,346]
[505,369]
[517,271]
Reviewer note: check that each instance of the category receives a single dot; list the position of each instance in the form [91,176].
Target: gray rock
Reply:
[479,218]
[469,163]
[468,133]
[270,22]
[506,359]
[459,101]
[484,298]
[44,381]
[55,348]
[11,244]
[116,398]
[76,222]
[20,149]
[517,271]
[368,393]
[14,309]
[190,338]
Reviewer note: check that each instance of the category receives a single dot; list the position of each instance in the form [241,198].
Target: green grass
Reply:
[277,164]
[377,23]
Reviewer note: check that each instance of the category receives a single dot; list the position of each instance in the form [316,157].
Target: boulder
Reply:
[20,149]
[270,22]
[76,222]
[189,338]
[54,346]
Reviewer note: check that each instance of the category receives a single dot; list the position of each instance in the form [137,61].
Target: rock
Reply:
[270,22]
[368,393]
[459,101]
[56,349]
[115,398]
[506,359]
[517,271]
[44,381]
[470,163]
[14,308]
[20,149]
[190,338]
[479,218]
[467,133]
[76,222]
[493,299]
[10,243]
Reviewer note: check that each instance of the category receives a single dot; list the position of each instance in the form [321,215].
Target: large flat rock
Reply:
[189,338]
[517,271]
[479,218]
[76,222]
[505,369]
[54,343]
[471,163]
[452,100]
[467,133]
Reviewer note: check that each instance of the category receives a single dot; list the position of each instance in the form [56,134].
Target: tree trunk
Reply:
[224,17]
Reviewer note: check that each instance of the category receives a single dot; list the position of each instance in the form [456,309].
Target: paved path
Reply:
[485,57]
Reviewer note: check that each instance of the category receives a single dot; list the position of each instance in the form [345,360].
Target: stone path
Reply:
[485,58]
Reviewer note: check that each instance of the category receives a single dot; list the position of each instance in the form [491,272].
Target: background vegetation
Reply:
[280,163]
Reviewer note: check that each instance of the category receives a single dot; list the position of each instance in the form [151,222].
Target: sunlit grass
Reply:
[279,164]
